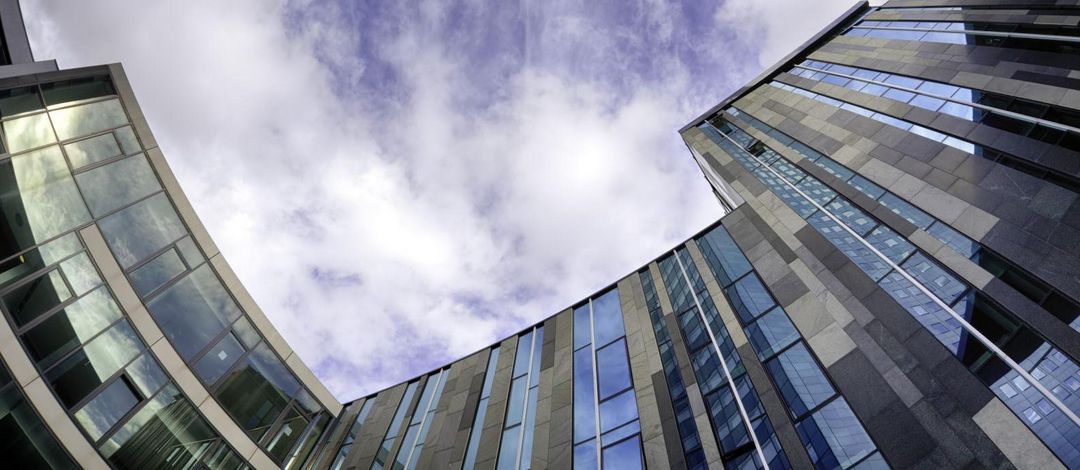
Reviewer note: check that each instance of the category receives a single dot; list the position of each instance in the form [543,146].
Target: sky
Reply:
[401,183]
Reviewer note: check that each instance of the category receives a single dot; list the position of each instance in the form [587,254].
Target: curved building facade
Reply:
[894,285]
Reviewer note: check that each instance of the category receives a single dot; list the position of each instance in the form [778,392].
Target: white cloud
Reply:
[399,207]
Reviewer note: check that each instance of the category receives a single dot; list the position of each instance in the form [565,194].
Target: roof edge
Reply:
[856,9]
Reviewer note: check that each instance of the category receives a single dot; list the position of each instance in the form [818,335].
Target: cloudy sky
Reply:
[400,183]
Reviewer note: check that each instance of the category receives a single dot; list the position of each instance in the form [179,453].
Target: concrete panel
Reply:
[1013,438]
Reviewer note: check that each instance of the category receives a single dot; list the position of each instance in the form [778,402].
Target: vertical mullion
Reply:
[427,407]
[525,401]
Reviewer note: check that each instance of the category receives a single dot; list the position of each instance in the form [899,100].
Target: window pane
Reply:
[80,273]
[65,330]
[905,210]
[219,359]
[522,358]
[157,272]
[833,436]
[257,391]
[103,412]
[625,455]
[29,300]
[192,256]
[613,369]
[799,379]
[749,297]
[28,132]
[128,142]
[287,435]
[27,443]
[933,277]
[851,216]
[508,449]
[607,318]
[47,196]
[727,421]
[117,184]
[19,100]
[146,375]
[890,244]
[585,456]
[721,249]
[81,373]
[582,327]
[88,118]
[193,311]
[516,403]
[179,435]
[707,368]
[92,150]
[77,89]
[927,312]
[142,229]
[584,399]
[772,332]
[618,410]
[620,433]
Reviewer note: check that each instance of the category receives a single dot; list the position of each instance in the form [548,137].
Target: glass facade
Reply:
[893,286]
[606,427]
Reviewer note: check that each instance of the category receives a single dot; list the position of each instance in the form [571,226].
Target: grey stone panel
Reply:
[491,435]
[559,451]
[362,453]
[455,411]
[644,363]
[542,430]
[410,411]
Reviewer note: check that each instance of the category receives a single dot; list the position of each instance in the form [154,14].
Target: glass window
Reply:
[117,184]
[146,375]
[816,190]
[607,318]
[582,327]
[31,299]
[80,273]
[28,132]
[40,198]
[219,359]
[799,379]
[707,368]
[287,434]
[192,256]
[157,272]
[508,449]
[481,410]
[92,150]
[613,369]
[193,311]
[142,229]
[833,436]
[584,398]
[726,259]
[855,250]
[771,333]
[165,433]
[625,455]
[26,441]
[85,370]
[851,216]
[128,142]
[77,89]
[256,392]
[87,119]
[618,410]
[65,330]
[727,421]
[106,409]
[927,312]
[929,274]
[890,244]
[749,297]
[866,187]
[585,456]
[905,210]
[19,100]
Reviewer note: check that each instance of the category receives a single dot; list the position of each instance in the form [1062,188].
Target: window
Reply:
[481,410]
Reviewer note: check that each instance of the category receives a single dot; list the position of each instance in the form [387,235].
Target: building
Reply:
[894,284]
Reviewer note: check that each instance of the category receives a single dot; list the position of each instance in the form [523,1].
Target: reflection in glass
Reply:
[87,119]
[31,299]
[28,132]
[85,370]
[167,432]
[194,310]
[256,391]
[92,150]
[40,183]
[117,184]
[66,329]
[107,408]
[142,229]
[148,277]
[26,442]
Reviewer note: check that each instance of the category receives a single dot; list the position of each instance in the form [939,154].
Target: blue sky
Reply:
[400,183]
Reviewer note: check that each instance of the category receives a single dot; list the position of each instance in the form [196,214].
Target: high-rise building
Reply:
[895,284]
